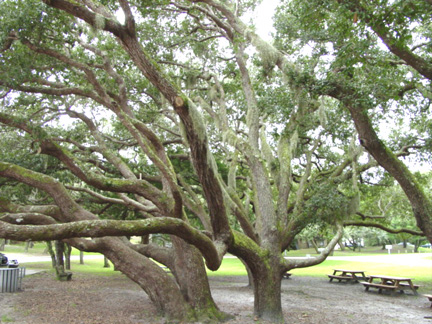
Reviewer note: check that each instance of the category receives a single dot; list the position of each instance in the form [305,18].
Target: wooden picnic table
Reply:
[348,275]
[390,283]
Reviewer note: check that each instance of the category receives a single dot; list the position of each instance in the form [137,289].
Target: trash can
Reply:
[9,279]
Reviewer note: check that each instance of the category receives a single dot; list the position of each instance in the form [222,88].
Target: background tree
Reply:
[376,62]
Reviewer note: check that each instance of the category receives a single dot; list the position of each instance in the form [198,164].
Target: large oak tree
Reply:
[134,118]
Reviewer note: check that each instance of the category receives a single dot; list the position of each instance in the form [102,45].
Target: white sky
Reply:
[262,18]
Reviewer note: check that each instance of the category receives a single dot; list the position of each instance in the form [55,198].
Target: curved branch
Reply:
[383,227]
[49,147]
[303,263]
[90,75]
[28,218]
[10,207]
[363,216]
[192,121]
[102,228]
[129,18]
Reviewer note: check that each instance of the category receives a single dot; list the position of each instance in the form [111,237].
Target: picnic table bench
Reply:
[391,284]
[286,275]
[347,275]
[429,297]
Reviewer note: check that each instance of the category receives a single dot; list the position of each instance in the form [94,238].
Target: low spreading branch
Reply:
[102,228]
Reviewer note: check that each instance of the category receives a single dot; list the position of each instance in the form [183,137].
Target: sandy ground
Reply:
[91,299]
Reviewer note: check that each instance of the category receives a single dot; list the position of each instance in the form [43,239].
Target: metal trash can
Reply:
[9,279]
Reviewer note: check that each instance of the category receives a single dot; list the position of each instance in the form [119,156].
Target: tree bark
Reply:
[192,302]
[267,272]
[28,245]
[191,276]
[60,266]
[267,278]
[106,263]
[249,273]
[67,254]
[160,287]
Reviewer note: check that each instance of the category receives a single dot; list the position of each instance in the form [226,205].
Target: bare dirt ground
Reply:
[92,299]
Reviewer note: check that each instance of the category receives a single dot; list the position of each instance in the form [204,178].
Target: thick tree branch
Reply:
[27,218]
[303,263]
[70,209]
[10,207]
[103,228]
[421,204]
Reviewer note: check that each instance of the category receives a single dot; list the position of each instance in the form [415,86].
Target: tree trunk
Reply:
[341,245]
[159,286]
[106,263]
[59,252]
[249,273]
[315,245]
[267,279]
[51,253]
[67,254]
[267,272]
[28,245]
[191,276]
[81,257]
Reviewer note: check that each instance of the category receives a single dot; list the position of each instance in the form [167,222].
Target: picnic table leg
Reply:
[413,288]
[334,273]
[343,274]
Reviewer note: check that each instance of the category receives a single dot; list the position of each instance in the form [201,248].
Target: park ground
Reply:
[113,299]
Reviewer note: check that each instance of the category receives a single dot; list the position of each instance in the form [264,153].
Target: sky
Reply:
[262,18]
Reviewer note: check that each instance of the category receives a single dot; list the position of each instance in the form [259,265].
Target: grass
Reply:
[90,266]
[422,274]
[38,248]
[234,267]
[419,273]
[373,250]
[6,319]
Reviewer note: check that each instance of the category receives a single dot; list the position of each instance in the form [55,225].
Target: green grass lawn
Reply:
[233,267]
[422,275]
[37,249]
